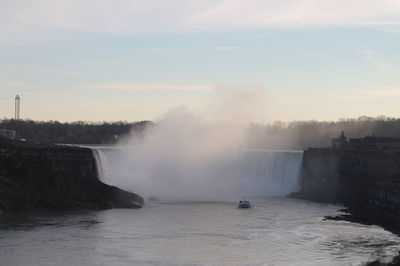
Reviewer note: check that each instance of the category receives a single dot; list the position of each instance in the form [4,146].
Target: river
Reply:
[276,231]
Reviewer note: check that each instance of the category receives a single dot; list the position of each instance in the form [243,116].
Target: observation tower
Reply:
[17,107]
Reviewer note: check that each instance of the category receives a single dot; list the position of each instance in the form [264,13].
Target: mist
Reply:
[203,155]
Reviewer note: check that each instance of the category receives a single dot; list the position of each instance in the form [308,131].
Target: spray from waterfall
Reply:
[203,155]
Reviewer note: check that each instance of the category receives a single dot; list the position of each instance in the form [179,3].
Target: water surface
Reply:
[276,231]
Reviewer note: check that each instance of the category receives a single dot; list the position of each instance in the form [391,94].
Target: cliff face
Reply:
[51,177]
[320,175]
[368,181]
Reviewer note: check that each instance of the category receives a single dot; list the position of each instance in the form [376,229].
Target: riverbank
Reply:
[366,182]
[48,177]
[370,216]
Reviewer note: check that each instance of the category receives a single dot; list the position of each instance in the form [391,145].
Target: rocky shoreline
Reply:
[370,216]
[366,182]
[37,177]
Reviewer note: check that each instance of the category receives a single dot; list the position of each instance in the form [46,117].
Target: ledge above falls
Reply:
[50,177]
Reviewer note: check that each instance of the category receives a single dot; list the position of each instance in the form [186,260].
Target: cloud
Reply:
[147,86]
[27,19]
[226,48]
[372,57]
[13,84]
[300,13]
[383,91]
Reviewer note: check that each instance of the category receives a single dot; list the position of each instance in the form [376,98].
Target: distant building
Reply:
[366,143]
[8,133]
[339,142]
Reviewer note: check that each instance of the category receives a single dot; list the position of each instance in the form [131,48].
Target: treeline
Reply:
[275,135]
[304,134]
[75,132]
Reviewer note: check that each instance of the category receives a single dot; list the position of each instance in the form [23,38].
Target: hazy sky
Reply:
[133,60]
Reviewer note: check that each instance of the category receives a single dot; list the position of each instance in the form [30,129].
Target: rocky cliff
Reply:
[365,181]
[351,176]
[48,177]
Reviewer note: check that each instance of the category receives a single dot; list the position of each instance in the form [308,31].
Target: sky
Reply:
[131,60]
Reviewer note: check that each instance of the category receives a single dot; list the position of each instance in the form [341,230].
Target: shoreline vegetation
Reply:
[275,135]
[73,133]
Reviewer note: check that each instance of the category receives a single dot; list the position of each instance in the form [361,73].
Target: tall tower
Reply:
[17,107]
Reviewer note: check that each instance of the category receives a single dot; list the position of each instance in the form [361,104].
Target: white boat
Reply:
[244,204]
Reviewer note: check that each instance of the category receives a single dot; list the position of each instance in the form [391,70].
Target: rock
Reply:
[48,177]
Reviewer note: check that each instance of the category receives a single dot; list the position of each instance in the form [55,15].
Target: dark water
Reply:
[276,231]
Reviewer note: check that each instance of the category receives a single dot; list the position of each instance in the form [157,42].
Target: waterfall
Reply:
[251,173]
[272,172]
[102,164]
[283,167]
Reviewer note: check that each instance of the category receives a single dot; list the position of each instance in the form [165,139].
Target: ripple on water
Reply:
[276,231]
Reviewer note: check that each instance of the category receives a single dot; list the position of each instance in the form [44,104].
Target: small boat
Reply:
[244,204]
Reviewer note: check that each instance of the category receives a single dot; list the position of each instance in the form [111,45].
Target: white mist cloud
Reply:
[193,156]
